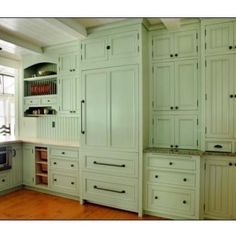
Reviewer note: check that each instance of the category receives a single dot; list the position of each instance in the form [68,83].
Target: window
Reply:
[7,98]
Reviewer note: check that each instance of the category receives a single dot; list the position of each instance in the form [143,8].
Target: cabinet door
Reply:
[219,38]
[162,46]
[186,131]
[186,44]
[163,86]
[17,168]
[69,94]
[123,45]
[186,86]
[94,50]
[95,114]
[68,63]
[163,131]
[28,165]
[124,108]
[218,189]
[219,105]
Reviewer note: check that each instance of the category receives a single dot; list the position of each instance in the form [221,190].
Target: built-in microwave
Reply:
[5,158]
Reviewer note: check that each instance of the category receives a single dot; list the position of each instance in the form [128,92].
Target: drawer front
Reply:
[172,178]
[64,152]
[63,164]
[64,183]
[49,100]
[110,191]
[35,101]
[4,181]
[170,200]
[219,146]
[171,163]
[114,166]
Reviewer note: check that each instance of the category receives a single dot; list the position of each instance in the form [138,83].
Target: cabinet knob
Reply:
[171,55]
[170,163]
[108,47]
[63,153]
[3,180]
[72,183]
[230,47]
[54,179]
[156,176]
[171,146]
[184,201]
[176,108]
[156,197]
[230,164]
[176,54]
[54,163]
[72,165]
[184,179]
[235,95]
[171,108]
[176,146]
[231,95]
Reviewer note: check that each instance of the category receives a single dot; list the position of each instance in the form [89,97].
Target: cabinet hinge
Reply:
[81,57]
[197,143]
[197,65]
[153,69]
[197,103]
[205,96]
[152,54]
[32,150]
[197,48]
[205,130]
[205,32]
[138,48]
[205,63]
[205,46]
[204,207]
[152,103]
[197,121]
[196,35]
[152,42]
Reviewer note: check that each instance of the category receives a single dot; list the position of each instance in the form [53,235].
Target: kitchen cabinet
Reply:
[172,46]
[69,94]
[110,48]
[4,180]
[171,185]
[220,96]
[110,108]
[175,85]
[220,38]
[28,165]
[178,131]
[68,63]
[220,195]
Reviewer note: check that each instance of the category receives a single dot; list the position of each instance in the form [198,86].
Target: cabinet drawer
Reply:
[170,200]
[172,178]
[110,191]
[64,183]
[4,181]
[114,166]
[219,146]
[64,152]
[171,163]
[63,164]
[49,100]
[32,101]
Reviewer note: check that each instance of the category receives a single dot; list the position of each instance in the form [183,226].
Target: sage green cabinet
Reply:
[69,94]
[4,180]
[175,85]
[110,108]
[220,99]
[68,63]
[171,46]
[17,166]
[175,131]
[110,48]
[219,187]
[28,165]
[220,38]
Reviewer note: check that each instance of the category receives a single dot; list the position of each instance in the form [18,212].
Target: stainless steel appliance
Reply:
[5,158]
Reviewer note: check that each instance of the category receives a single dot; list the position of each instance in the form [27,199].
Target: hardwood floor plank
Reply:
[31,205]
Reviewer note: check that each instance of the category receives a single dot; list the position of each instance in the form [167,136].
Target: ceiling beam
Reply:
[14,39]
[171,23]
[69,26]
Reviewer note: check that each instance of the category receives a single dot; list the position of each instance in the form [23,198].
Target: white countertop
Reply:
[8,140]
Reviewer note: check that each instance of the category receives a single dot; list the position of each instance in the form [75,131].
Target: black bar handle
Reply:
[13,152]
[107,164]
[81,119]
[218,146]
[109,190]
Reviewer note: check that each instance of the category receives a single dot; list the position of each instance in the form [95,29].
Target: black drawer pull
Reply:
[184,202]
[231,95]
[230,164]
[218,146]
[54,163]
[72,183]
[156,176]
[108,47]
[107,164]
[171,55]
[109,190]
[171,108]
[230,47]
[170,163]
[156,197]
[63,153]
[3,180]
[54,179]
[171,146]
[72,165]
[184,179]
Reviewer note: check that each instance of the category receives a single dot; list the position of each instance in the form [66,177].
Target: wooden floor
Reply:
[27,205]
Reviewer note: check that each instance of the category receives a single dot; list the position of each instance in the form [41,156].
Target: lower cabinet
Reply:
[172,185]
[4,180]
[220,192]
[110,179]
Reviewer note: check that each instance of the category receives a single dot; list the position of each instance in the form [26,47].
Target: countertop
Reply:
[9,140]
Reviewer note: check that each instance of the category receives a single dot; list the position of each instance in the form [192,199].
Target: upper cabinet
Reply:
[170,46]
[220,38]
[68,63]
[110,49]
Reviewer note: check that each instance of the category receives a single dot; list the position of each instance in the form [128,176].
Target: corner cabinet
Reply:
[110,108]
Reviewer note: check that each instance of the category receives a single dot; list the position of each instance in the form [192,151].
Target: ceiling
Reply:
[19,36]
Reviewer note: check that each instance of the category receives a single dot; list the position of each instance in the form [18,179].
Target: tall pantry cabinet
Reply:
[111,117]
[175,87]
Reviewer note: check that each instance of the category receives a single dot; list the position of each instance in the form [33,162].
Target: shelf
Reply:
[38,115]
[42,174]
[42,162]
[41,78]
